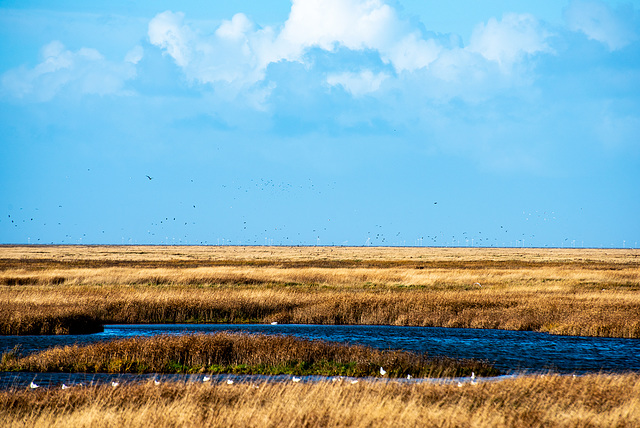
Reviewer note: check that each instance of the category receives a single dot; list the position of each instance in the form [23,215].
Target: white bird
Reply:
[383,371]
[229,382]
[33,385]
[296,379]
[114,383]
[353,382]
[459,384]
[408,376]
[65,386]
[206,378]
[473,376]
[274,323]
[156,382]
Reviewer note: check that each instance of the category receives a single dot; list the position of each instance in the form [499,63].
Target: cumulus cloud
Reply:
[86,71]
[598,21]
[508,40]
[239,52]
[232,55]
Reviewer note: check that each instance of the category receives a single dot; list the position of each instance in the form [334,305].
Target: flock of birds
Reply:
[294,379]
[183,226]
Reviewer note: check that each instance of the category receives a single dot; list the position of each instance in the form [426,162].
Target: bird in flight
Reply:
[150,178]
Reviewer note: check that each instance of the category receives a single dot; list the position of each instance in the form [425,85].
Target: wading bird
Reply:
[383,371]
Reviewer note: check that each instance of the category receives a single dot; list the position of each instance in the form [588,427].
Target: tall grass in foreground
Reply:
[590,401]
[239,353]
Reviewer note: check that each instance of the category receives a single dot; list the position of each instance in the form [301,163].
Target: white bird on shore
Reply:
[274,323]
[229,382]
[114,383]
[33,385]
[460,385]
[65,386]
[156,382]
[353,382]
[206,378]
[383,371]
[296,379]
[408,376]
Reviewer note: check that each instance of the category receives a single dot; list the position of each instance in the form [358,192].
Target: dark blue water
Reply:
[509,351]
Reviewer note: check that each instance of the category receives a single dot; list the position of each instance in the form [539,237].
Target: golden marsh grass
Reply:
[589,401]
[239,354]
[572,291]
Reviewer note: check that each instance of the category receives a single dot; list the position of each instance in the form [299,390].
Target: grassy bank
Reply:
[241,354]
[58,290]
[596,400]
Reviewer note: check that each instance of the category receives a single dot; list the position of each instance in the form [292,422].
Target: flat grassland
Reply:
[74,289]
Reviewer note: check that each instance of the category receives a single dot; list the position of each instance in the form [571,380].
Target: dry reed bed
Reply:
[594,401]
[51,309]
[543,277]
[581,292]
[238,353]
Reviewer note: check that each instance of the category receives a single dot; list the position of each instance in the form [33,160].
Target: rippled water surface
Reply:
[509,351]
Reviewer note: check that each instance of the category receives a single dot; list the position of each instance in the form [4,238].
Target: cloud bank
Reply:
[240,52]
[235,59]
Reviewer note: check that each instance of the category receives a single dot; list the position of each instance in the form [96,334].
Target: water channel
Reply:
[512,352]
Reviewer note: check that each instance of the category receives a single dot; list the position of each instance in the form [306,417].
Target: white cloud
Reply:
[358,84]
[238,53]
[134,55]
[508,40]
[86,71]
[235,29]
[231,55]
[167,31]
[599,22]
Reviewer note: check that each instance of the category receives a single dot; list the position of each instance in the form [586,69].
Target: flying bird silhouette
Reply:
[150,178]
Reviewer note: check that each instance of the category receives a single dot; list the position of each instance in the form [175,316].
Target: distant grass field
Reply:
[73,289]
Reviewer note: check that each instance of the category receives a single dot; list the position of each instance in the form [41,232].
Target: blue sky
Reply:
[351,122]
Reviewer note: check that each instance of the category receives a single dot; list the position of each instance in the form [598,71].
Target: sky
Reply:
[504,123]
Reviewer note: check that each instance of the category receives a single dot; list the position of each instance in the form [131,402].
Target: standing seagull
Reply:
[33,385]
